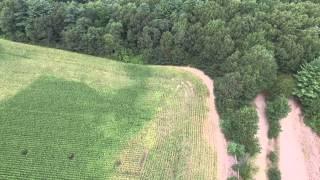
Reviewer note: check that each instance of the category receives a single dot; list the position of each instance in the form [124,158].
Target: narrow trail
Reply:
[299,148]
[261,159]
[212,131]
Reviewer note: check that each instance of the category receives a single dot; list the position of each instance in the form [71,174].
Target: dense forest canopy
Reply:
[247,46]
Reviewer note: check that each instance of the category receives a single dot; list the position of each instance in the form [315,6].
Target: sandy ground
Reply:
[212,131]
[299,148]
[261,159]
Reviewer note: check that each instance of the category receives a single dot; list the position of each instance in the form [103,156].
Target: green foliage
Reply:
[228,92]
[308,92]
[283,86]
[274,174]
[308,81]
[273,171]
[276,110]
[136,60]
[232,178]
[246,169]
[236,149]
[201,33]
[13,19]
[258,71]
[241,127]
[273,157]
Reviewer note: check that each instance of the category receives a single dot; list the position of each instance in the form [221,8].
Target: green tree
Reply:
[274,174]
[258,70]
[228,91]
[241,127]
[276,110]
[167,47]
[308,92]
[246,169]
[46,20]
[236,150]
[13,17]
[216,45]
[283,86]
[289,53]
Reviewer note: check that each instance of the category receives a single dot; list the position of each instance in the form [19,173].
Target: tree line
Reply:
[247,46]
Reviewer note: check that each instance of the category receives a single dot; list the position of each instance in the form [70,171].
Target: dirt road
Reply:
[212,131]
[261,159]
[299,148]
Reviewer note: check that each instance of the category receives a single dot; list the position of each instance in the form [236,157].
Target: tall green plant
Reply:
[276,110]
[308,92]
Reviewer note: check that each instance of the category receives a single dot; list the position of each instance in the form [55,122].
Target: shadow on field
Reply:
[55,121]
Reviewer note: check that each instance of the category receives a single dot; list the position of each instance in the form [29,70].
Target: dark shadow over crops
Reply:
[53,117]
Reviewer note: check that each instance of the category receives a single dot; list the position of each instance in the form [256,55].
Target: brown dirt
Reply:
[299,148]
[261,159]
[212,131]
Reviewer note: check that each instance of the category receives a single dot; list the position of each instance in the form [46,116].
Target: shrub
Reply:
[241,127]
[236,150]
[232,178]
[308,92]
[273,157]
[274,174]
[283,86]
[315,124]
[228,92]
[308,81]
[246,169]
[276,110]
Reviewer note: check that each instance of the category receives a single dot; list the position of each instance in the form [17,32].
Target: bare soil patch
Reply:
[299,148]
[261,159]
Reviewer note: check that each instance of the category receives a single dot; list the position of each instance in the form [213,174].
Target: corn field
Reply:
[70,116]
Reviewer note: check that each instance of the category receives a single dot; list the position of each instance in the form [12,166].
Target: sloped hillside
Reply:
[70,116]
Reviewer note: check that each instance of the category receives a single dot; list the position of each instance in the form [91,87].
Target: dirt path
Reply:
[299,154]
[212,130]
[299,148]
[261,159]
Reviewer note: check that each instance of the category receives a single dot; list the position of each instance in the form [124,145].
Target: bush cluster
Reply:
[273,157]
[308,92]
[241,127]
[274,174]
[283,86]
[277,109]
[273,171]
